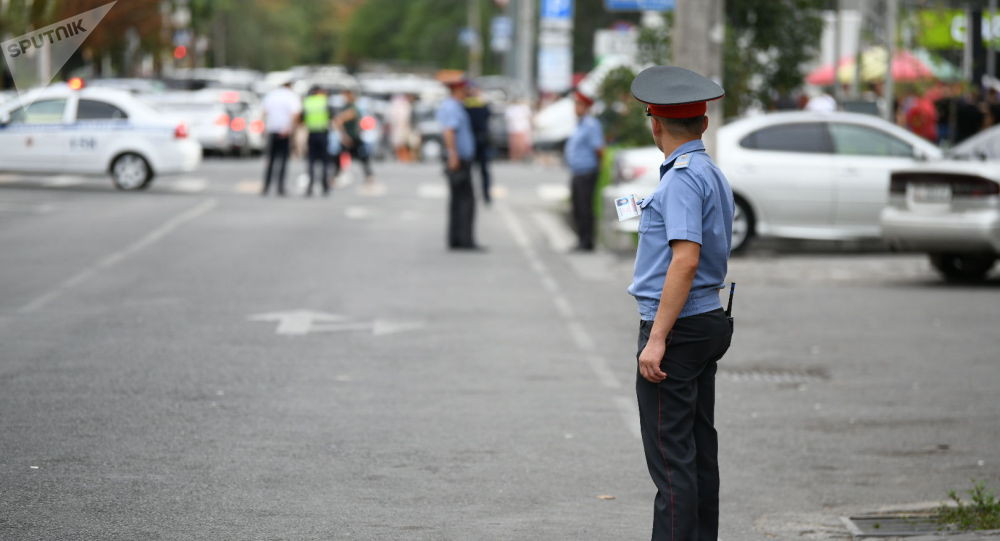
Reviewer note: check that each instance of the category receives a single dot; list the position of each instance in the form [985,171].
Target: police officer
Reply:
[685,233]
[317,114]
[460,149]
[583,156]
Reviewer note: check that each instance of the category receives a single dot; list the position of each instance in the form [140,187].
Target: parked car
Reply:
[802,175]
[224,121]
[951,210]
[985,145]
[59,129]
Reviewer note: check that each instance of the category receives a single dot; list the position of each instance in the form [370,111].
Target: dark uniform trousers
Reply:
[677,418]
[461,206]
[319,155]
[277,150]
[582,195]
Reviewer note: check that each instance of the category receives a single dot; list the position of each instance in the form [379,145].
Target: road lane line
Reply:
[560,238]
[114,258]
[62,181]
[630,413]
[583,341]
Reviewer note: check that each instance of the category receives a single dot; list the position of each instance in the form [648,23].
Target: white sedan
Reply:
[951,210]
[799,175]
[93,131]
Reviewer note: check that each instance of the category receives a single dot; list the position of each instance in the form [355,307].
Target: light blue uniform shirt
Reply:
[582,146]
[451,115]
[692,202]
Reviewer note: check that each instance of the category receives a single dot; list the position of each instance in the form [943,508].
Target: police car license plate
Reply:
[929,193]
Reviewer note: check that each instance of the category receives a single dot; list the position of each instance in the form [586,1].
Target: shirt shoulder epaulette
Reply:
[682,161]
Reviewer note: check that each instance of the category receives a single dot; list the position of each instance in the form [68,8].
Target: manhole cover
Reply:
[902,525]
[774,375]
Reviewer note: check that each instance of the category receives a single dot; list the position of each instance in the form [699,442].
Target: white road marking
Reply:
[583,341]
[59,181]
[296,322]
[630,414]
[188,185]
[560,237]
[113,259]
[553,192]
[374,189]
[303,322]
[357,213]
[432,191]
[249,186]
[499,192]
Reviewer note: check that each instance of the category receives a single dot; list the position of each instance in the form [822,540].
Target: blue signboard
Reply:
[639,5]
[557,9]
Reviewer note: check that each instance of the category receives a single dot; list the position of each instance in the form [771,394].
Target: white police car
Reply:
[66,128]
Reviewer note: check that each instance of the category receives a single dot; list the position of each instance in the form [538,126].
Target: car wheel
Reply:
[131,171]
[963,268]
[743,226]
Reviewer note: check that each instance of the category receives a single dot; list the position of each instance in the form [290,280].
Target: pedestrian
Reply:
[921,117]
[400,126]
[685,236]
[518,119]
[479,116]
[348,122]
[460,149]
[821,101]
[282,110]
[583,156]
[317,115]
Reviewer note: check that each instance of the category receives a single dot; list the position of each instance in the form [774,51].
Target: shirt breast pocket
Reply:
[646,214]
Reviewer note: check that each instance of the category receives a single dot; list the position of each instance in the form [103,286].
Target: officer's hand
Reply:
[453,161]
[650,359]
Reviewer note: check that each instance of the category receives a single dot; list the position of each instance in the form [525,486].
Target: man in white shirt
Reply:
[282,110]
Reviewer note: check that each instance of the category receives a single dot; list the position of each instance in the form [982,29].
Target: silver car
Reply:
[951,210]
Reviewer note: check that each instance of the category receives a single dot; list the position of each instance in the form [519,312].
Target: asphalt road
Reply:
[198,362]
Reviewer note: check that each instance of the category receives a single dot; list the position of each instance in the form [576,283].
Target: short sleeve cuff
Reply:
[684,234]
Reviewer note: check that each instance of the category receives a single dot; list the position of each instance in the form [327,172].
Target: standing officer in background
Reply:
[460,149]
[317,113]
[479,116]
[282,108]
[685,235]
[583,155]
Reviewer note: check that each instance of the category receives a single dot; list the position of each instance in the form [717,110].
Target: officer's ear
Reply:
[656,126]
[704,124]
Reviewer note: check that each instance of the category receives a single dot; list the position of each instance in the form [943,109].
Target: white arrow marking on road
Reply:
[302,322]
[297,322]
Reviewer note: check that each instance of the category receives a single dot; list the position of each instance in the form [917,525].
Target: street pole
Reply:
[475,40]
[525,46]
[693,21]
[991,50]
[967,49]
[838,93]
[889,92]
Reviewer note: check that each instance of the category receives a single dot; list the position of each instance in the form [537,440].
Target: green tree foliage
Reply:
[415,32]
[624,119]
[767,41]
[269,34]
